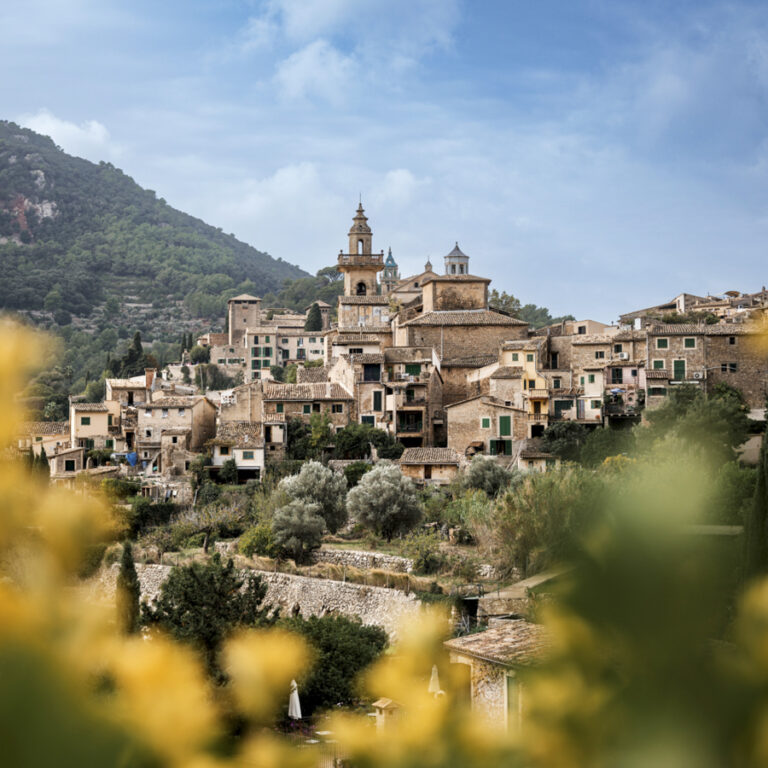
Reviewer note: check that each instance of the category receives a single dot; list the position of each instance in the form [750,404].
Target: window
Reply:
[662,343]
[595,404]
[307,408]
[224,450]
[222,361]
[255,339]
[618,348]
[69,465]
[531,384]
[339,408]
[279,408]
[515,357]
[529,357]
[174,440]
[678,370]
[485,423]
[285,341]
[254,363]
[371,372]
[658,365]
[728,367]
[657,391]
[633,374]
[617,375]
[85,421]
[557,384]
[300,342]
[148,413]
[591,378]
[109,420]
[312,340]
[368,420]
[38,439]
[409,395]
[689,342]
[413,369]
[256,352]
[231,351]
[109,443]
[581,381]
[247,455]
[600,354]
[582,330]
[147,433]
[267,340]
[266,352]
[505,426]
[355,350]
[265,363]
[182,411]
[377,400]
[731,340]
[164,413]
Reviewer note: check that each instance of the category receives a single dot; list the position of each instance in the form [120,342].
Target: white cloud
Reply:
[317,70]
[90,139]
[397,189]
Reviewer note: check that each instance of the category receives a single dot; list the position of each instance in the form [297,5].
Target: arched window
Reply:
[360,246]
[453,269]
[461,269]
[361,290]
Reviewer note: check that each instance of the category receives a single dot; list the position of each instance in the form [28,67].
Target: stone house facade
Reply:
[431,466]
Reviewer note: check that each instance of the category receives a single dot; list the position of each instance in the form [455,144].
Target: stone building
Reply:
[431,466]
[50,435]
[243,442]
[497,660]
[300,401]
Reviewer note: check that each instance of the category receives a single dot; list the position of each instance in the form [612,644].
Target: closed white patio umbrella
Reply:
[294,707]
[434,682]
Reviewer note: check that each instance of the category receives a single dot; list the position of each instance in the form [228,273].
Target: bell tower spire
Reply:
[360,265]
[360,235]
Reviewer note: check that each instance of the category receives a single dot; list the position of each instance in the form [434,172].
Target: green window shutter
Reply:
[254,363]
[662,343]
[265,363]
[377,399]
[413,369]
[529,358]
[690,343]
[493,448]
[307,408]
[247,455]
[515,356]
[658,365]
[507,447]
[279,408]
[266,339]
[679,370]
[591,378]
[486,423]
[109,443]
[505,426]
[69,465]
[582,381]
[109,420]
[85,421]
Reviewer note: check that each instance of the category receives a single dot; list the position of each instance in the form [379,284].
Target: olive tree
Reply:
[319,485]
[298,529]
[385,501]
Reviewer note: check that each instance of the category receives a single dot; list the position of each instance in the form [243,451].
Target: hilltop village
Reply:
[424,358]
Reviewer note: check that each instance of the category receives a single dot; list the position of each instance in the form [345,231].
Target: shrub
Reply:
[316,484]
[91,560]
[259,540]
[424,550]
[354,471]
[485,474]
[298,529]
[228,472]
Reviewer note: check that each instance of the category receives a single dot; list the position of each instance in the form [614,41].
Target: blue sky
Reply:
[592,157]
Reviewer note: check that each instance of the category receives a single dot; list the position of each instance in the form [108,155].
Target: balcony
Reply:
[361,259]
[538,394]
[410,427]
[538,416]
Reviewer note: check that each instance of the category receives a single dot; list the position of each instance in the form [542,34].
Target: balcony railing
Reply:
[363,259]
[417,427]
[538,416]
[538,394]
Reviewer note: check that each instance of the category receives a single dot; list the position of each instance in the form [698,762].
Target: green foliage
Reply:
[485,474]
[326,286]
[342,648]
[289,373]
[504,301]
[198,470]
[91,560]
[756,523]
[355,440]
[259,540]
[200,354]
[424,549]
[127,593]
[210,376]
[277,372]
[228,472]
[385,502]
[314,320]
[353,472]
[119,488]
[467,507]
[298,529]
[143,513]
[601,443]
[316,484]
[733,494]
[564,439]
[202,604]
[211,520]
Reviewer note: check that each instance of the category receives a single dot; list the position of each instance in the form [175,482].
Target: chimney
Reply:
[149,374]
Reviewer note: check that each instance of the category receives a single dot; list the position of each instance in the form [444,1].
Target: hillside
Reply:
[73,233]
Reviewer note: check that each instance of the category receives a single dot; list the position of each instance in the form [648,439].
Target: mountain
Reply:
[74,233]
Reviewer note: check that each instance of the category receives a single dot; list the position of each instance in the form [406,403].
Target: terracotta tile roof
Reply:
[34,428]
[238,434]
[507,372]
[408,354]
[311,375]
[178,401]
[564,392]
[245,297]
[430,456]
[380,300]
[472,361]
[630,336]
[657,373]
[455,278]
[90,407]
[371,357]
[135,383]
[687,329]
[464,317]
[316,391]
[533,453]
[488,400]
[355,338]
[594,338]
[534,344]
[512,643]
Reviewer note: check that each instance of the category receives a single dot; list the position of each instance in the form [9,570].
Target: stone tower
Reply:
[243,312]
[360,266]
[457,262]
[390,276]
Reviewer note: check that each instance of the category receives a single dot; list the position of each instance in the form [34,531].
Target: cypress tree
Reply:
[42,462]
[756,528]
[127,594]
[314,319]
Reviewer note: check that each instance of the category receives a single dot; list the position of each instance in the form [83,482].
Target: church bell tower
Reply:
[360,265]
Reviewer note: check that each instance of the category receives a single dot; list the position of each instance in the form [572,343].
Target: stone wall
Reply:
[385,608]
[364,560]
